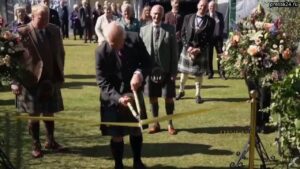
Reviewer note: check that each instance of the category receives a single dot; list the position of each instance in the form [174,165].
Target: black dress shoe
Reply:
[179,95]
[139,165]
[210,76]
[198,100]
[223,77]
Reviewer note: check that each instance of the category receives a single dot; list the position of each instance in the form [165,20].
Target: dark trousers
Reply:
[65,29]
[217,42]
[263,101]
[87,33]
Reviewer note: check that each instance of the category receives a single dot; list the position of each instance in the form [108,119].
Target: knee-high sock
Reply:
[136,147]
[154,109]
[34,131]
[198,84]
[49,130]
[169,109]
[117,149]
[183,79]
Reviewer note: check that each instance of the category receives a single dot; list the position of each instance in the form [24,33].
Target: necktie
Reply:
[42,34]
[156,31]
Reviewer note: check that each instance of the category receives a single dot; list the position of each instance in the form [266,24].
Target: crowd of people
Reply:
[131,52]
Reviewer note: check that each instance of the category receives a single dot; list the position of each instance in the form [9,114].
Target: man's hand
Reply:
[136,81]
[124,100]
[16,89]
[195,51]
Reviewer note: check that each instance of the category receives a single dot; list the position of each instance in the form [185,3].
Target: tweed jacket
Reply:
[167,47]
[32,58]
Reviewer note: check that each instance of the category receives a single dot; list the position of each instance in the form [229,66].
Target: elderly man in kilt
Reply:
[196,35]
[122,64]
[38,90]
[160,41]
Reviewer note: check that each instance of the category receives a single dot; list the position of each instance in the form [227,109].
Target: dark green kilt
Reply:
[119,114]
[40,99]
[195,67]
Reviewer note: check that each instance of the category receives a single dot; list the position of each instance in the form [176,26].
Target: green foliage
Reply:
[290,16]
[286,103]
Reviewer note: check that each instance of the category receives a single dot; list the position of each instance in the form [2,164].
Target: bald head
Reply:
[202,7]
[157,13]
[115,35]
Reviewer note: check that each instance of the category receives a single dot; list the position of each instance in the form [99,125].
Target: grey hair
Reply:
[127,6]
[19,6]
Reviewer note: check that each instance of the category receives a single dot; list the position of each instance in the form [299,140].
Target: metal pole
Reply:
[253,94]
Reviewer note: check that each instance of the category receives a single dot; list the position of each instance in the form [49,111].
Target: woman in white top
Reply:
[103,21]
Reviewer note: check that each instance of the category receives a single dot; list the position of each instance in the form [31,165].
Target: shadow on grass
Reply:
[225,99]
[218,130]
[188,87]
[78,85]
[78,76]
[217,99]
[172,167]
[7,102]
[152,150]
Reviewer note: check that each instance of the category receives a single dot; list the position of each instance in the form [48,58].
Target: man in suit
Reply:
[217,40]
[86,20]
[196,33]
[53,14]
[39,92]
[174,18]
[64,18]
[122,64]
[160,41]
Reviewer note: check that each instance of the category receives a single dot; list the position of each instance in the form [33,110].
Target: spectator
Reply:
[102,22]
[86,20]
[127,20]
[196,33]
[39,93]
[217,40]
[145,16]
[160,41]
[75,22]
[63,13]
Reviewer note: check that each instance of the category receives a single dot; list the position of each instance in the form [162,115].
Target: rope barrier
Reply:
[125,124]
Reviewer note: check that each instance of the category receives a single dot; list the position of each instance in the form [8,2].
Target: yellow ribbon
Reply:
[125,124]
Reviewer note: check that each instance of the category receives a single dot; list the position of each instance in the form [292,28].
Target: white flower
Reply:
[281,48]
[11,44]
[275,46]
[10,51]
[2,48]
[281,41]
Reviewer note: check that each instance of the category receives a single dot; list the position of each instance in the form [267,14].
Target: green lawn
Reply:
[206,140]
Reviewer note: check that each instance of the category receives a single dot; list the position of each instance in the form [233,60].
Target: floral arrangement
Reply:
[11,52]
[286,103]
[258,48]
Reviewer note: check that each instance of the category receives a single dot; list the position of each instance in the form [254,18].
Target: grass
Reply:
[207,140]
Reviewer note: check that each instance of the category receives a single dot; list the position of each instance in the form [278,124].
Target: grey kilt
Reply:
[30,100]
[196,67]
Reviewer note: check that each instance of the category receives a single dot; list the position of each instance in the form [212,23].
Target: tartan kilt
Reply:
[118,114]
[30,102]
[195,67]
